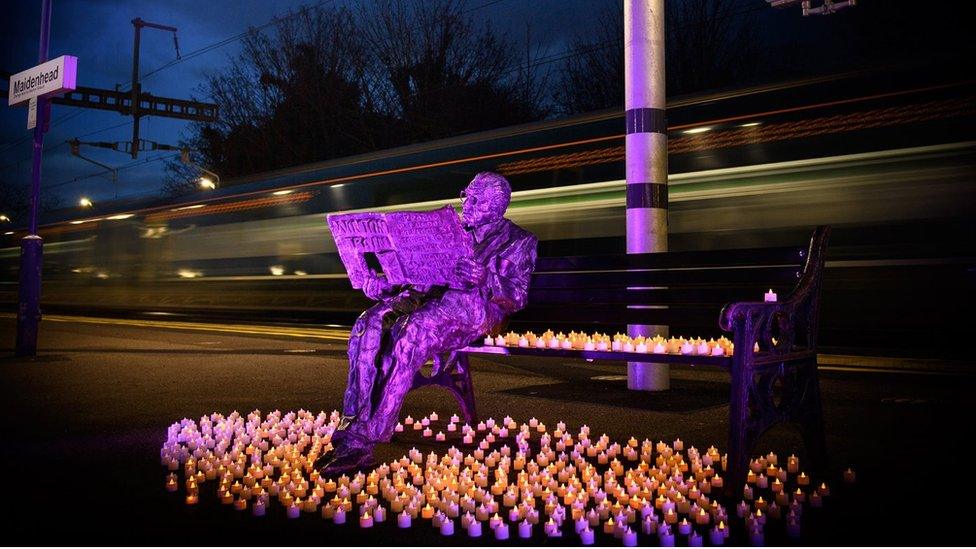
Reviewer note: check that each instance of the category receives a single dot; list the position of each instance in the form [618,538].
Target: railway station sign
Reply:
[49,78]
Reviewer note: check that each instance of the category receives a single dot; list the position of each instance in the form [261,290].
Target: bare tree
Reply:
[440,73]
[593,74]
[710,44]
[292,96]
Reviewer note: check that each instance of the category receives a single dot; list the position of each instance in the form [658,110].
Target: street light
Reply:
[207,182]
[85,202]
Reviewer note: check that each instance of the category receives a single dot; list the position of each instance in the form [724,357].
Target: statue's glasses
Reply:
[465,197]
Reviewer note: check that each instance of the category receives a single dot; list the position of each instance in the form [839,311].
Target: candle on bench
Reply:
[703,348]
[770,296]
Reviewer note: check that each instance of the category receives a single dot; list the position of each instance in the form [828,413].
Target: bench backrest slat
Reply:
[787,255]
[616,315]
[712,277]
[674,296]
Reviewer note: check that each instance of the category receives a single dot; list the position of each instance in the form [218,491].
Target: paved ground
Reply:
[84,422]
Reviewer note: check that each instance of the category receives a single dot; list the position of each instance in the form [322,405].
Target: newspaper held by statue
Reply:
[419,248]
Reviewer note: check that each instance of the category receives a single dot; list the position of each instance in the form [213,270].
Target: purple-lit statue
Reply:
[393,339]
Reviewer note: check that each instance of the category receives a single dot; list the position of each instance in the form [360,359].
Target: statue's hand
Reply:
[376,288]
[470,272]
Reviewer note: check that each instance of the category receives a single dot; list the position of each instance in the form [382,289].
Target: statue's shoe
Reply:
[345,461]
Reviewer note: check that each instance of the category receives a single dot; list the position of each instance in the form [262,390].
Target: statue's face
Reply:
[483,201]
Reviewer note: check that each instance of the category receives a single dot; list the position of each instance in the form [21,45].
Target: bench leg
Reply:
[740,436]
[454,375]
[753,410]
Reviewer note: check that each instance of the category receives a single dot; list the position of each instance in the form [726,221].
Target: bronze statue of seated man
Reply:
[410,324]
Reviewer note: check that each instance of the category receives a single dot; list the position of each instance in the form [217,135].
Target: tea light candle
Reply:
[192,499]
[259,508]
[849,476]
[756,537]
[717,535]
[524,529]
[551,529]
[630,538]
[366,521]
[816,500]
[501,531]
[404,520]
[770,296]
[665,536]
[294,510]
[447,527]
[338,518]
[793,527]
[474,529]
[587,536]
[695,539]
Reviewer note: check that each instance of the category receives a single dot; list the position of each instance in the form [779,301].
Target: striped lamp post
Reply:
[647,157]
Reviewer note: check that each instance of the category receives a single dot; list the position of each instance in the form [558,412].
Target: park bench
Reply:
[688,291]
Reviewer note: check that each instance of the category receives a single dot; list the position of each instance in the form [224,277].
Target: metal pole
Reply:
[647,157]
[31,247]
[137,23]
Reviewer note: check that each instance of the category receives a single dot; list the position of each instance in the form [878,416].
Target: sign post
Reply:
[35,86]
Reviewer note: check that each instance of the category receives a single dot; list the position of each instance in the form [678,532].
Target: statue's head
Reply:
[485,199]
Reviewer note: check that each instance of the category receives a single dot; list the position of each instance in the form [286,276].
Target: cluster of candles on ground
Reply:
[507,479]
[619,342]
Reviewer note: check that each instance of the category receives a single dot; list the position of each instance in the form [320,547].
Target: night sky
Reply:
[100,34]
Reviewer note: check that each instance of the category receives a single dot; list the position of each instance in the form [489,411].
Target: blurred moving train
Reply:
[886,158]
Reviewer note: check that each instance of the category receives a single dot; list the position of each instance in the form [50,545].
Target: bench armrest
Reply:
[793,322]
